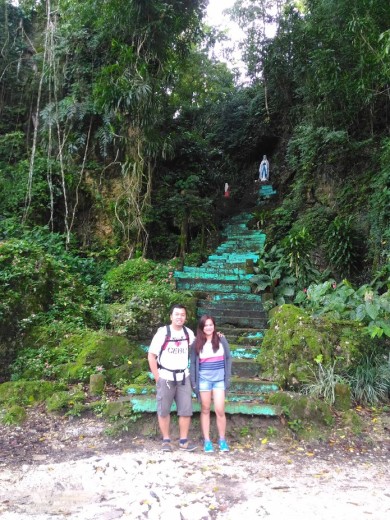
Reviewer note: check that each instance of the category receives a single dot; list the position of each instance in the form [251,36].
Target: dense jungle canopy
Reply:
[119,127]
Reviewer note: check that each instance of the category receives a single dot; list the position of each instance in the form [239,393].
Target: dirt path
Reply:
[59,469]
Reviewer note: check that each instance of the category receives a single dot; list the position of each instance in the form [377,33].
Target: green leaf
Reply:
[287,291]
[372,310]
[361,312]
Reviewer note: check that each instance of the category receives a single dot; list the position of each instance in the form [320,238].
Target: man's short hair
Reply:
[177,306]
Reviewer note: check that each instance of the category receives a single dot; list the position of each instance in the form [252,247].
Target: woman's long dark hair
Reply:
[201,339]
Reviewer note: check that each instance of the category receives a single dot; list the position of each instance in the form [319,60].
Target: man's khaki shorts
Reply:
[167,392]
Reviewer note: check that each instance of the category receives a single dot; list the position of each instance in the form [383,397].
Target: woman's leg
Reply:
[219,407]
[205,399]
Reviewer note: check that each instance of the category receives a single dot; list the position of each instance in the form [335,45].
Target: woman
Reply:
[210,371]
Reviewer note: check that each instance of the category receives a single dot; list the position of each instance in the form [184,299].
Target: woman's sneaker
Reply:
[208,447]
[223,445]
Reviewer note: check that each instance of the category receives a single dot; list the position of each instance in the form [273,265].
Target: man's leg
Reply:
[165,395]
[164,424]
[184,411]
[184,426]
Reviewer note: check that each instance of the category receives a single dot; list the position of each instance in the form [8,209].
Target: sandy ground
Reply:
[59,468]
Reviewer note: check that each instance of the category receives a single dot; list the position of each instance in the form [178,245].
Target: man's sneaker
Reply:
[187,446]
[223,445]
[208,447]
[166,446]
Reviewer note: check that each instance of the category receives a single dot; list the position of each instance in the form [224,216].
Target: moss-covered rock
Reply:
[64,400]
[116,355]
[96,384]
[297,407]
[14,415]
[351,420]
[117,409]
[27,392]
[343,398]
[295,341]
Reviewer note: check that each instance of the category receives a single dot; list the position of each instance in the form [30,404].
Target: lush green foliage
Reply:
[342,246]
[15,414]
[274,275]
[342,301]
[117,134]
[26,393]
[295,341]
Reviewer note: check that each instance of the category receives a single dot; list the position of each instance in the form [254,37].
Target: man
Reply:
[168,358]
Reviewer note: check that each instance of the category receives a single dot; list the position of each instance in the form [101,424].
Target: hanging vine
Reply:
[28,198]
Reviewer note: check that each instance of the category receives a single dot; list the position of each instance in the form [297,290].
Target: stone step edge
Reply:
[262,387]
[147,404]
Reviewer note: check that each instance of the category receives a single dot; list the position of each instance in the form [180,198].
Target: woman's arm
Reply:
[193,366]
[228,361]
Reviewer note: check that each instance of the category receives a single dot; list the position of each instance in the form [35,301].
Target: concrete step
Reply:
[240,352]
[251,386]
[243,336]
[222,264]
[213,275]
[215,287]
[245,396]
[233,258]
[227,314]
[240,321]
[217,270]
[234,297]
[242,386]
[251,308]
[147,404]
[255,241]
[243,351]
[245,368]
[243,240]
[237,248]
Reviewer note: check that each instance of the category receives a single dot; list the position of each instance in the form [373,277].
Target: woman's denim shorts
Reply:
[207,386]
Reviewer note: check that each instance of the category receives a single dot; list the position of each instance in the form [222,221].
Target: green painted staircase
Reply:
[239,314]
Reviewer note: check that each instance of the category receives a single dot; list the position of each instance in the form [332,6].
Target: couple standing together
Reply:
[172,349]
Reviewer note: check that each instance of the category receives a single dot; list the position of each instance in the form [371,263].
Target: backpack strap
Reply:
[164,345]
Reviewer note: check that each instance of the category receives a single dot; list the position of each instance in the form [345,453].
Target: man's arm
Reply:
[152,360]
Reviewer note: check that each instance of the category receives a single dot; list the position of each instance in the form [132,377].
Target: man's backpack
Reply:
[167,340]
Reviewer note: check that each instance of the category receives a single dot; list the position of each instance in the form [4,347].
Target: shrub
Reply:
[36,288]
[27,392]
[142,313]
[342,246]
[295,341]
[65,400]
[14,415]
[370,380]
[125,280]
[298,245]
[324,383]
[341,301]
